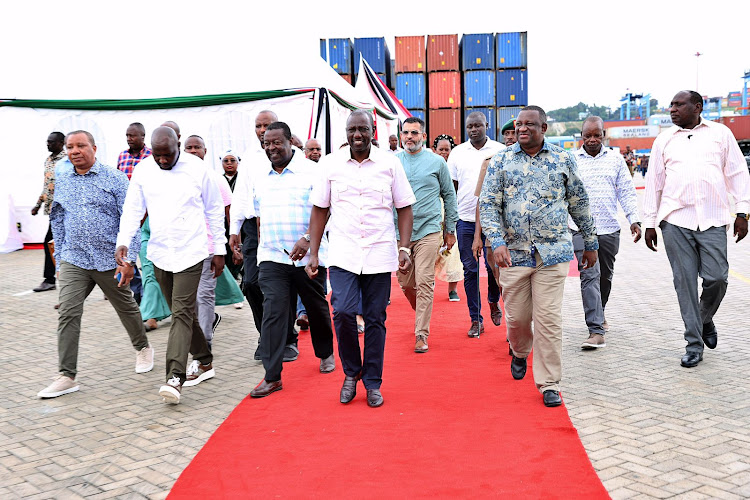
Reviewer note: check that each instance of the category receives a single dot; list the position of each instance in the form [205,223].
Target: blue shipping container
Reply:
[323,47]
[490,114]
[512,88]
[479,88]
[375,52]
[340,55]
[419,113]
[511,50]
[505,114]
[478,51]
[411,90]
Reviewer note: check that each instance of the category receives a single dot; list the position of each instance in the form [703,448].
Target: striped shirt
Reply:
[282,202]
[127,162]
[690,175]
[607,180]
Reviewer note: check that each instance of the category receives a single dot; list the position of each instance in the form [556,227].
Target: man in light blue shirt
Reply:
[281,194]
[431,182]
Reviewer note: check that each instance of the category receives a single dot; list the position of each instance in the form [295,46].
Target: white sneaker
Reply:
[61,385]
[144,360]
[197,373]
[171,391]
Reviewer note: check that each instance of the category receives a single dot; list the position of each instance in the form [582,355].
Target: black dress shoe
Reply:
[374,398]
[44,287]
[552,398]
[349,389]
[691,359]
[709,335]
[518,367]
[496,314]
[265,388]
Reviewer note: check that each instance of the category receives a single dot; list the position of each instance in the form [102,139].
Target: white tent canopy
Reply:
[318,107]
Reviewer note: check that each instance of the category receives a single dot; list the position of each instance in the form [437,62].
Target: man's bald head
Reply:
[173,126]
[165,147]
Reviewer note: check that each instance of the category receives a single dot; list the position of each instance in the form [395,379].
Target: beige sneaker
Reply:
[144,360]
[61,385]
[171,391]
[197,373]
[421,345]
[594,341]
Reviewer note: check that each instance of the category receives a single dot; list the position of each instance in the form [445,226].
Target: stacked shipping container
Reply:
[441,80]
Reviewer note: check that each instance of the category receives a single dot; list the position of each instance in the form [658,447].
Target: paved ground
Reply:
[652,428]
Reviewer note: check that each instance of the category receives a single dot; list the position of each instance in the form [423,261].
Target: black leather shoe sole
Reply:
[518,368]
[552,399]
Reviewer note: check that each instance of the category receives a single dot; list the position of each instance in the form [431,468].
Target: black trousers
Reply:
[250,286]
[345,297]
[49,266]
[279,283]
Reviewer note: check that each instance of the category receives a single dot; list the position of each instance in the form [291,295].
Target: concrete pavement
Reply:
[652,429]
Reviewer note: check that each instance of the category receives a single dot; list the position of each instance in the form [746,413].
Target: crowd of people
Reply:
[287,220]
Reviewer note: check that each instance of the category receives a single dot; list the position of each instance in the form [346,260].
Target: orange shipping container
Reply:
[623,123]
[444,89]
[348,78]
[635,143]
[442,53]
[410,54]
[444,121]
[739,125]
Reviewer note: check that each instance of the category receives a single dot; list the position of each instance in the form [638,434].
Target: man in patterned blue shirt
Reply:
[528,192]
[85,217]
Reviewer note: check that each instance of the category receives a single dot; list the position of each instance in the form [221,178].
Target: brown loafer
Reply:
[265,388]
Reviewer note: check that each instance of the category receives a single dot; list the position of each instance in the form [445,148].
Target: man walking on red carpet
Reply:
[527,194]
[359,186]
[431,182]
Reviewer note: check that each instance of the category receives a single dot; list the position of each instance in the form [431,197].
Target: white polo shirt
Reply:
[361,198]
[464,164]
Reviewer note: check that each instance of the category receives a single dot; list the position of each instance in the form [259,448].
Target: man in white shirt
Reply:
[180,197]
[359,186]
[393,145]
[464,164]
[607,180]
[282,202]
[694,166]
[243,233]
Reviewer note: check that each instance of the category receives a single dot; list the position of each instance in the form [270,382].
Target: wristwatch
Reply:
[405,249]
[307,237]
[743,216]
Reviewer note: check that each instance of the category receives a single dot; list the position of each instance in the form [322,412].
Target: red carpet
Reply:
[454,425]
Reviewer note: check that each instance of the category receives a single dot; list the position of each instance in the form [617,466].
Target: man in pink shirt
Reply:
[359,186]
[695,165]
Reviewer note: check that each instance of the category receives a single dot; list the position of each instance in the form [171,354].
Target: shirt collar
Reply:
[59,156]
[582,152]
[291,166]
[517,147]
[95,168]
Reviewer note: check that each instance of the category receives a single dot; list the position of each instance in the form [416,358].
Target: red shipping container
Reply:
[410,54]
[635,143]
[442,53]
[444,89]
[623,123]
[348,78]
[444,121]
[739,125]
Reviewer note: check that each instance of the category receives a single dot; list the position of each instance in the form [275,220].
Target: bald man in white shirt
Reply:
[694,166]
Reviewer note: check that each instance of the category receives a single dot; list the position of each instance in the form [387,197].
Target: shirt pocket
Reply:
[338,190]
[377,195]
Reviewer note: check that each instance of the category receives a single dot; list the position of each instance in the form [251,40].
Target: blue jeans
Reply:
[465,237]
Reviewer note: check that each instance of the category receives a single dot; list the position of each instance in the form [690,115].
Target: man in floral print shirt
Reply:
[528,192]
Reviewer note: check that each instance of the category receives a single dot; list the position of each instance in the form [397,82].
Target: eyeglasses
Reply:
[411,132]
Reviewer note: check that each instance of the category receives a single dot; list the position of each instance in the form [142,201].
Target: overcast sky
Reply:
[578,51]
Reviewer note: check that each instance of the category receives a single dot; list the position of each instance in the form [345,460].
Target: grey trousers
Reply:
[75,285]
[694,254]
[609,245]
[205,301]
[590,291]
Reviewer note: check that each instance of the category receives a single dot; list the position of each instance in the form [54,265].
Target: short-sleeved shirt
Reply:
[361,198]
[464,164]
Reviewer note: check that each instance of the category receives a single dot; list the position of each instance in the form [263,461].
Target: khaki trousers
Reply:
[536,293]
[418,284]
[76,284]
